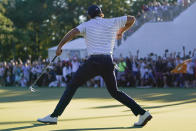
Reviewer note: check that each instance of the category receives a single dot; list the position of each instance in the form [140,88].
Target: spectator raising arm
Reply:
[194,52]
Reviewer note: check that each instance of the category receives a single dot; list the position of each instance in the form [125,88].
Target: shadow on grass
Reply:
[23,127]
[81,129]
[73,119]
[161,106]
[106,128]
[13,94]
[146,107]
[109,106]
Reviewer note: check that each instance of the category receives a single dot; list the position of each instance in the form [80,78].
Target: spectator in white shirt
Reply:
[75,65]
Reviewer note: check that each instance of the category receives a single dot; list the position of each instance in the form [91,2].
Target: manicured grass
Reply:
[93,109]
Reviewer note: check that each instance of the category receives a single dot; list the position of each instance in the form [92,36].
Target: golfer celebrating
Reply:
[100,35]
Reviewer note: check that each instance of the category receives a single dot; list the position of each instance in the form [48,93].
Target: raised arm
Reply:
[129,24]
[69,36]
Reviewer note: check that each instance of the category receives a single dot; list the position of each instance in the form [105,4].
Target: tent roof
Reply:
[77,44]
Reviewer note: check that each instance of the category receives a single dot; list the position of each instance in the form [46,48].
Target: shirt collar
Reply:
[98,17]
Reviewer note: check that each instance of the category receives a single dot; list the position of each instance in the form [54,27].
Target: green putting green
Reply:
[92,109]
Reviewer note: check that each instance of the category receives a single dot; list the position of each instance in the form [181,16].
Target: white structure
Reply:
[73,48]
[156,37]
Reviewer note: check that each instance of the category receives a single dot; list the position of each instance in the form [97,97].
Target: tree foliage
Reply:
[30,27]
[6,35]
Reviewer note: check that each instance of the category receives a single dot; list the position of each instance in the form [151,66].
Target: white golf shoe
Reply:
[48,120]
[143,119]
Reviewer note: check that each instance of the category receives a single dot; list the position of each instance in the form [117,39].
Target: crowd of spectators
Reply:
[152,71]
[133,71]
[155,71]
[163,11]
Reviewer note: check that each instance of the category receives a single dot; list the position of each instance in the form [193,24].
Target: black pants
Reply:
[96,65]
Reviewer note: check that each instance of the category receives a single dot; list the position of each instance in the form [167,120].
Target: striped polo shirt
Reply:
[100,34]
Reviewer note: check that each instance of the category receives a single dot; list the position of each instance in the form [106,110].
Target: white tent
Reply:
[156,37]
[73,48]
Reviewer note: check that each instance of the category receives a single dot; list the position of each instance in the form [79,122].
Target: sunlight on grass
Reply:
[94,109]
[193,94]
[157,95]
[11,94]
[3,91]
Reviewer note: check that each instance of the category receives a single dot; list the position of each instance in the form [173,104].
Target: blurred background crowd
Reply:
[133,71]
[28,37]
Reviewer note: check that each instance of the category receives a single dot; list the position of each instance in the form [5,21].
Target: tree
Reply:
[40,24]
[6,36]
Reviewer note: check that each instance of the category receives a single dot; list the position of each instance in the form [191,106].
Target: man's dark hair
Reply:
[94,11]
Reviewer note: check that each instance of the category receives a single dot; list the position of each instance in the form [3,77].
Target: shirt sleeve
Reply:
[82,28]
[120,21]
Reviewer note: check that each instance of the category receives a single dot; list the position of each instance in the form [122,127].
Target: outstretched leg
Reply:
[84,73]
[110,80]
